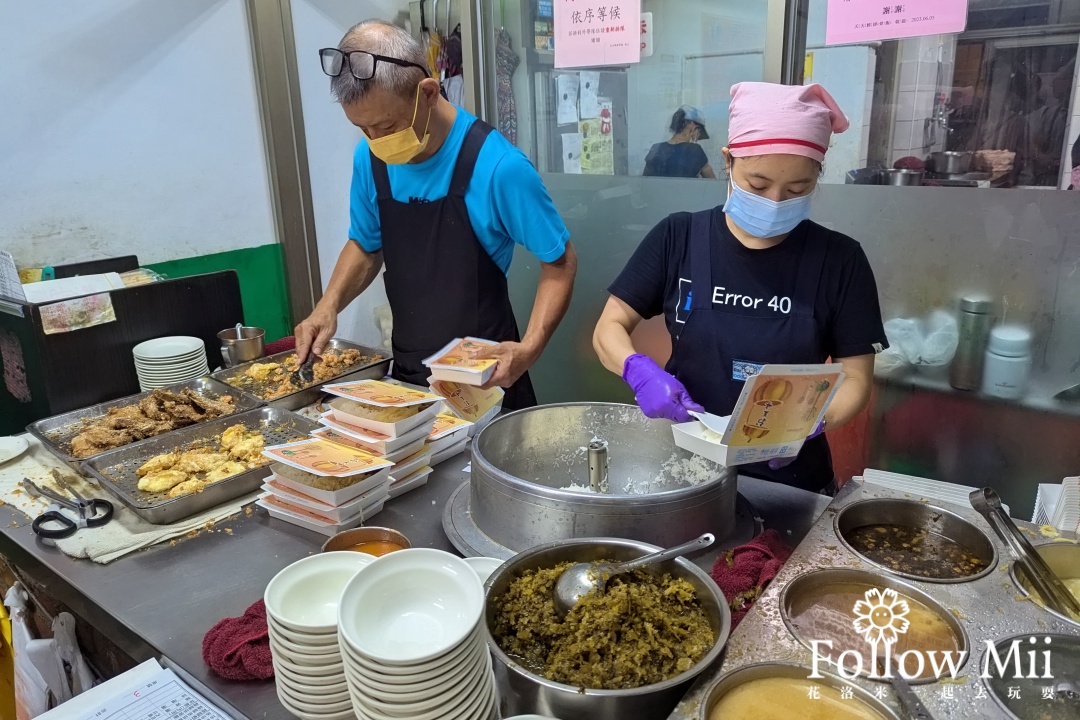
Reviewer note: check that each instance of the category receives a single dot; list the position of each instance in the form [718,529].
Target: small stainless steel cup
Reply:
[242,347]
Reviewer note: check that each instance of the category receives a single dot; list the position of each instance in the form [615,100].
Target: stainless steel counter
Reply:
[988,608]
[161,601]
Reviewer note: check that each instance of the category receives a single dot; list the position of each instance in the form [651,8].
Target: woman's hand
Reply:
[659,394]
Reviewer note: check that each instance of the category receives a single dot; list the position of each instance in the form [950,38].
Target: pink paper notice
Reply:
[855,21]
[591,33]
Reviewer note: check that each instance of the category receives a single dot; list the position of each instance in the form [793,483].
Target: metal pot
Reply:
[523,464]
[1063,559]
[902,178]
[951,163]
[912,513]
[524,692]
[761,671]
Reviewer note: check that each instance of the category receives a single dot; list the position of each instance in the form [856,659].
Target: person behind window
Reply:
[681,156]
[1046,133]
[1074,180]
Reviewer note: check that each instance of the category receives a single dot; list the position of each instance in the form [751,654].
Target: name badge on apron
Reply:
[741,370]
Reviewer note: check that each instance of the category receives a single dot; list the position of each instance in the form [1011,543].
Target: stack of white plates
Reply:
[412,643]
[301,614]
[169,360]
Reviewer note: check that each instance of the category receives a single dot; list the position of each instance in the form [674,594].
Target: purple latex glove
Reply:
[777,463]
[657,391]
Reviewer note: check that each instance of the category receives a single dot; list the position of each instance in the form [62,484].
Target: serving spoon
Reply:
[580,579]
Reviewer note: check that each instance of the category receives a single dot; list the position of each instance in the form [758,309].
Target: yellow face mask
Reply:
[401,147]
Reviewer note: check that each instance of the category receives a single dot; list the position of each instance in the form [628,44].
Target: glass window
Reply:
[998,99]
[664,116]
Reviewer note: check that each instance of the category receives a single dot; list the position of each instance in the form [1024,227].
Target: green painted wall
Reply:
[262,283]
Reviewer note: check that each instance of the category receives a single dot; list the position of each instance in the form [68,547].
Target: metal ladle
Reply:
[913,706]
[1046,583]
[580,579]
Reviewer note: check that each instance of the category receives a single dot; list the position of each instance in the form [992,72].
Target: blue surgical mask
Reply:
[765,218]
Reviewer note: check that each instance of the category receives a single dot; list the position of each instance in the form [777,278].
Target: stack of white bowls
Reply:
[169,360]
[412,643]
[301,613]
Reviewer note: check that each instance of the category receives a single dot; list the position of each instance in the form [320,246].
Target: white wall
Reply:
[129,126]
[331,139]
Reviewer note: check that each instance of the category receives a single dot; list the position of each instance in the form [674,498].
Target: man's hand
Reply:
[514,360]
[314,332]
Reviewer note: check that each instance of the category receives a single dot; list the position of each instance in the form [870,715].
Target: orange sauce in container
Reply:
[378,548]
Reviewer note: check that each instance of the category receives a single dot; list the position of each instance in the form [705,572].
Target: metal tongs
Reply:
[913,706]
[305,374]
[53,524]
[1046,583]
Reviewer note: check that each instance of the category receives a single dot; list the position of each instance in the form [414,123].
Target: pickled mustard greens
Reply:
[782,698]
[1071,584]
[915,551]
[643,630]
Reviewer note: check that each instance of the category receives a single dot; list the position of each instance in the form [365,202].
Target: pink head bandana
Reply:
[766,118]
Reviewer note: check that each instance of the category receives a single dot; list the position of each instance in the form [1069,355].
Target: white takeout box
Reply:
[393,429]
[447,453]
[325,528]
[454,373]
[337,513]
[750,411]
[411,464]
[337,497]
[376,445]
[417,479]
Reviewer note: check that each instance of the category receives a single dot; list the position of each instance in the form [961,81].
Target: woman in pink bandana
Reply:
[752,282]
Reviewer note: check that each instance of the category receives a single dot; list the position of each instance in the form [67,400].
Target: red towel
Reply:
[285,343]
[239,648]
[744,572]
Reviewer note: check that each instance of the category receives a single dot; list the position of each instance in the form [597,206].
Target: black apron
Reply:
[440,281]
[715,336]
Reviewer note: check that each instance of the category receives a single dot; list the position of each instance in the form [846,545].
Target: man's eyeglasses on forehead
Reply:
[362,64]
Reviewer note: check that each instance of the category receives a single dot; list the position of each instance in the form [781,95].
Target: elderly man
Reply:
[442,200]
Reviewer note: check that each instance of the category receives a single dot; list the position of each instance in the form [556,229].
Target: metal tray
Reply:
[307,396]
[115,470]
[56,433]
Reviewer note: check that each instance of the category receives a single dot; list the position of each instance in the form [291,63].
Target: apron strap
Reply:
[382,179]
[701,260]
[466,160]
[809,276]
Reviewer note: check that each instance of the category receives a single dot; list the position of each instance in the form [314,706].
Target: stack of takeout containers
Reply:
[324,486]
[302,619]
[390,421]
[458,362]
[448,437]
[470,403]
[412,643]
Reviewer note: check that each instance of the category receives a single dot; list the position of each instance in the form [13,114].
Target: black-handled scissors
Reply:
[55,525]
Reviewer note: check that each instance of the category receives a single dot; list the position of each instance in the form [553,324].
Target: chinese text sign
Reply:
[855,21]
[590,33]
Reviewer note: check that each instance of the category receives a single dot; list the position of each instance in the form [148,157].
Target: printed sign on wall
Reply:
[856,21]
[592,33]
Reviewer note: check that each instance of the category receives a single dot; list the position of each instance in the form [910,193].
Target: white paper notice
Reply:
[9,278]
[163,697]
[588,107]
[566,85]
[571,153]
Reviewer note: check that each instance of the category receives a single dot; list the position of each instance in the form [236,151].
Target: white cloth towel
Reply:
[126,533]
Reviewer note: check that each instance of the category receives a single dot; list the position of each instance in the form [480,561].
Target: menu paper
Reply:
[77,313]
[859,21]
[10,285]
[594,33]
[325,459]
[164,696]
[381,394]
[446,424]
[777,410]
[468,401]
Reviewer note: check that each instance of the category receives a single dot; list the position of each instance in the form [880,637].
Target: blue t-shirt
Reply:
[506,200]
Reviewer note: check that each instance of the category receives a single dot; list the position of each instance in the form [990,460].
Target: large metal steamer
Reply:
[591,470]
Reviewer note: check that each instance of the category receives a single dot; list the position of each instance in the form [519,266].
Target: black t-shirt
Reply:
[675,160]
[657,280]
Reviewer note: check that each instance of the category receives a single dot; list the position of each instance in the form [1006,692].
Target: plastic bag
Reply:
[929,342]
[31,690]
